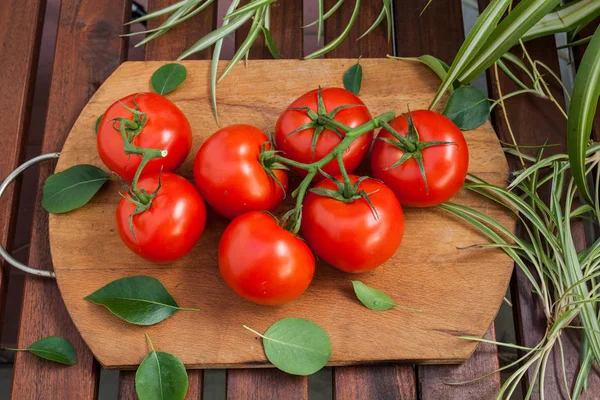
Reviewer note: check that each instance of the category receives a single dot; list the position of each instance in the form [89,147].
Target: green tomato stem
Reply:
[337,152]
[147,155]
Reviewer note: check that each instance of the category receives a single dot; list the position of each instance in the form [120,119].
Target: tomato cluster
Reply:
[353,223]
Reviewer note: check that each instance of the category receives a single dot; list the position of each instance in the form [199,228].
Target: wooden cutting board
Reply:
[458,291]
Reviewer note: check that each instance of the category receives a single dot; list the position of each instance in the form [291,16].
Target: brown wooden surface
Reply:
[82,63]
[375,382]
[20,30]
[83,263]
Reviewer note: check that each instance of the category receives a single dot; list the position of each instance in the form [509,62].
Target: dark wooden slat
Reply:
[442,37]
[127,385]
[258,384]
[535,121]
[242,384]
[434,379]
[88,49]
[178,39]
[373,45]
[168,47]
[20,30]
[286,29]
[373,381]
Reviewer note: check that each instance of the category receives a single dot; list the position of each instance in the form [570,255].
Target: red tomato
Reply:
[171,226]
[350,236]
[262,262]
[445,165]
[230,176]
[166,128]
[297,146]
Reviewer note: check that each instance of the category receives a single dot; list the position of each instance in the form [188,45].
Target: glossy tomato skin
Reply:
[298,145]
[445,165]
[231,178]
[171,226]
[348,235]
[167,128]
[262,262]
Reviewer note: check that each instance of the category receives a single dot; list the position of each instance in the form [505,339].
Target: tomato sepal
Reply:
[321,120]
[410,145]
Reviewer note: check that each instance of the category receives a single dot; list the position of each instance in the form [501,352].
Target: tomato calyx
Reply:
[346,191]
[269,163]
[133,127]
[322,120]
[140,205]
[410,145]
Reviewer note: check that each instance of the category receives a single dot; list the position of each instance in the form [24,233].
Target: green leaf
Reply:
[270,43]
[335,42]
[72,188]
[438,66]
[97,125]
[526,14]
[296,346]
[372,298]
[168,78]
[161,376]
[584,102]
[140,300]
[54,348]
[484,26]
[219,33]
[467,107]
[353,78]
[566,18]
[215,63]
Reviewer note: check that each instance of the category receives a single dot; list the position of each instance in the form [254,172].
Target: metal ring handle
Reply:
[11,177]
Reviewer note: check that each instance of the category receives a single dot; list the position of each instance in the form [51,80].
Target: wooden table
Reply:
[88,49]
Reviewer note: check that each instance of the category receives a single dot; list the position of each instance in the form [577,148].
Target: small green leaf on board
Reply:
[161,376]
[372,298]
[97,125]
[375,299]
[139,300]
[467,107]
[53,348]
[296,346]
[72,188]
[168,78]
[353,78]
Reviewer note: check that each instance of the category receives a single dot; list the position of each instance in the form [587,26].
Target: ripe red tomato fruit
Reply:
[262,262]
[166,128]
[230,176]
[445,165]
[350,236]
[298,146]
[171,226]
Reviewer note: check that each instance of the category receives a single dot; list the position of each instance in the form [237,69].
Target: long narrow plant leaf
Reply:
[566,18]
[335,42]
[483,28]
[586,90]
[328,14]
[215,63]
[217,34]
[243,50]
[158,13]
[526,14]
[250,7]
